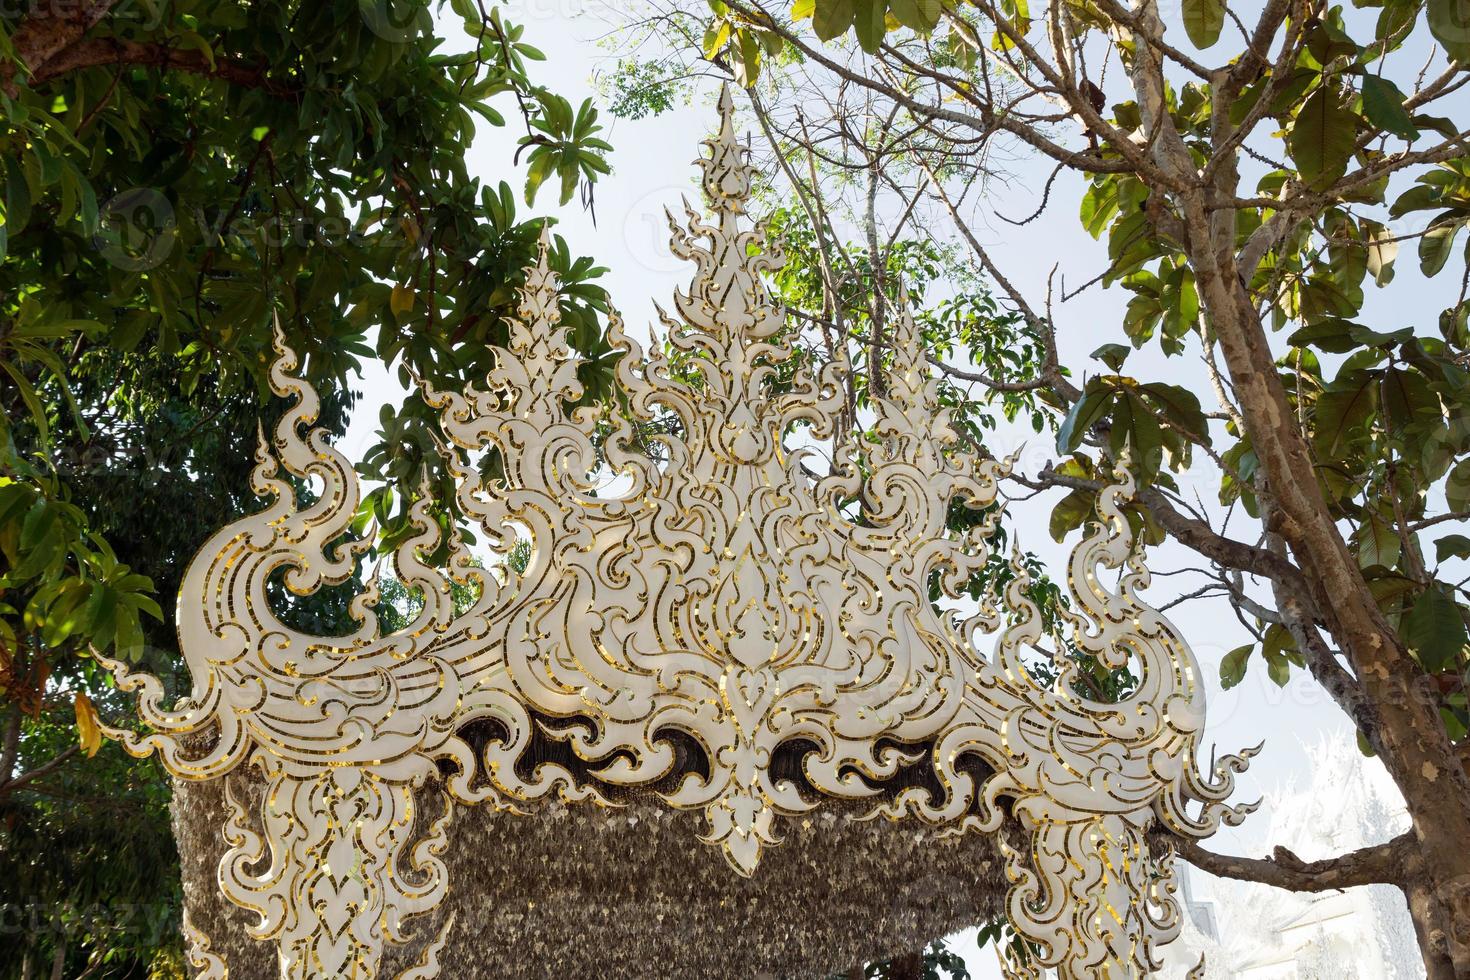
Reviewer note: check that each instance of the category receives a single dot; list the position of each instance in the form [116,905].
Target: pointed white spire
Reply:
[726,170]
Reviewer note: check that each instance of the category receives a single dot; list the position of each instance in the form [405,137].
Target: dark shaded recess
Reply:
[787,764]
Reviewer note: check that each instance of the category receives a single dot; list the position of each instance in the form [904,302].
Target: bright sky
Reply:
[652,163]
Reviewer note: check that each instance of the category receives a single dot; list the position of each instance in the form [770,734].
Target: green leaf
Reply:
[1136,433]
[1083,416]
[401,300]
[1378,543]
[32,401]
[1180,406]
[1099,205]
[192,39]
[1327,41]
[1452,546]
[43,541]
[1449,22]
[17,199]
[1435,630]
[1322,137]
[1377,338]
[1442,125]
[715,39]
[50,164]
[147,604]
[832,18]
[1457,486]
[1278,668]
[1070,513]
[1233,665]
[1330,334]
[568,172]
[1113,355]
[1420,197]
[128,637]
[1279,651]
[1437,244]
[1382,251]
[1341,418]
[539,170]
[917,15]
[1383,104]
[869,23]
[1203,20]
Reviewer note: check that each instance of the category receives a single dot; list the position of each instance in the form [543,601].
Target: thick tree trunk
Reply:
[1437,962]
[1409,736]
[1402,718]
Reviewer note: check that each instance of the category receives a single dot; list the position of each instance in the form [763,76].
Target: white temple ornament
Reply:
[720,602]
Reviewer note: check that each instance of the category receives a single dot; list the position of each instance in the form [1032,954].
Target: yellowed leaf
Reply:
[401,302]
[89,726]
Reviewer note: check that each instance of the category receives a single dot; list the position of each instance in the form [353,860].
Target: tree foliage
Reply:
[177,181]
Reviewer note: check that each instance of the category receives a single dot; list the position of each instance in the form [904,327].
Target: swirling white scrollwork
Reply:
[719,600]
[207,964]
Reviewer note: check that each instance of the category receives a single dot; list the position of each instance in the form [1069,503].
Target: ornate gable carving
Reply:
[720,599]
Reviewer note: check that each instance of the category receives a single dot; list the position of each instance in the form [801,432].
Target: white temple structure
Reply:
[1253,932]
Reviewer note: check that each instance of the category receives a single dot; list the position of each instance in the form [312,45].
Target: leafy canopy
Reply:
[175,179]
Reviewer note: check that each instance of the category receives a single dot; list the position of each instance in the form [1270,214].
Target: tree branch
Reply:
[11,786]
[1374,865]
[116,51]
[1195,533]
[1051,371]
[960,374]
[1083,159]
[47,30]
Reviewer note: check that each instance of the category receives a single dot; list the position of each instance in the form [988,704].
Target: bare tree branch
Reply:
[1378,864]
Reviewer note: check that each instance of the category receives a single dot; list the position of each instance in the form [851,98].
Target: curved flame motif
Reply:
[719,600]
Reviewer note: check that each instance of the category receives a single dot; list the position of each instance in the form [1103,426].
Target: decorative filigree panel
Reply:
[722,599]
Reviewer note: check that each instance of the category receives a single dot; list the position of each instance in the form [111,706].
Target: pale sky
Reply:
[652,168]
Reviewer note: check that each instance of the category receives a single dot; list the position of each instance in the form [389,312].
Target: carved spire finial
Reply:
[909,380]
[726,170]
[538,313]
